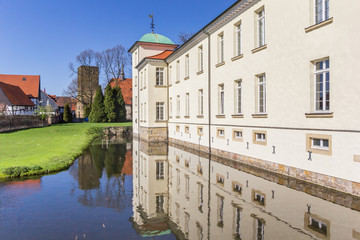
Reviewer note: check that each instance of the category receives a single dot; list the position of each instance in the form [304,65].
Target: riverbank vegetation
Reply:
[43,150]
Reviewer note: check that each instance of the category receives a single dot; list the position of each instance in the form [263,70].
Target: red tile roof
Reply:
[128,164]
[15,95]
[126,89]
[29,84]
[162,55]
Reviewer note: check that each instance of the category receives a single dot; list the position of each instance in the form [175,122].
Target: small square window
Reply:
[220,132]
[259,137]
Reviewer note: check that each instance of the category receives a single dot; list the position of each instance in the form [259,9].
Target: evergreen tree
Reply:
[67,117]
[110,104]
[120,105]
[87,111]
[97,113]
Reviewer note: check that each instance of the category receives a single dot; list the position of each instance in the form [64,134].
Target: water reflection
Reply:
[113,161]
[194,197]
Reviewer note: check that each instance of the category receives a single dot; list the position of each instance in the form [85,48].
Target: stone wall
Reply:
[326,181]
[153,134]
[10,123]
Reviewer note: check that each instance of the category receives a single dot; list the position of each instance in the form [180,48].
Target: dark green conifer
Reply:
[97,113]
[110,104]
[120,105]
[67,117]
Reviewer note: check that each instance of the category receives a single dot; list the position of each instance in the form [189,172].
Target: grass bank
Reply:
[43,150]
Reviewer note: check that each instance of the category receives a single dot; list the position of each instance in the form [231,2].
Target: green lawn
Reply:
[52,148]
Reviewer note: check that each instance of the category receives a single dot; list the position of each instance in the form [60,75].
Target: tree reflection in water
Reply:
[101,178]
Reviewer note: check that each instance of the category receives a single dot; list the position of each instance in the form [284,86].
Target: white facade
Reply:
[269,80]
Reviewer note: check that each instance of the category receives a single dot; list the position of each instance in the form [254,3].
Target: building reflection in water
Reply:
[194,197]
[101,171]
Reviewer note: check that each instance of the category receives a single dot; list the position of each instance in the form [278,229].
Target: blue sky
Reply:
[42,37]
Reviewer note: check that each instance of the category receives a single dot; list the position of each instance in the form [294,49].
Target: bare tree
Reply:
[85,58]
[184,37]
[113,62]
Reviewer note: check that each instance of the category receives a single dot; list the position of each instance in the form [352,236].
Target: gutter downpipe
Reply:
[209,89]
[209,124]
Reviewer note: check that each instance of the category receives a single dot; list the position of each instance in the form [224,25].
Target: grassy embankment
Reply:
[43,150]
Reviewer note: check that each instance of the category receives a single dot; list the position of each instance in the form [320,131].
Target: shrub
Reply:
[97,113]
[67,114]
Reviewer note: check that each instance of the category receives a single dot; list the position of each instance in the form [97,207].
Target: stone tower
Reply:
[88,80]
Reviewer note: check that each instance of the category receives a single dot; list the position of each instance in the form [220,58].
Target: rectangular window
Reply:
[201,59]
[237,39]
[220,132]
[201,102]
[237,135]
[141,80]
[136,79]
[187,129]
[319,143]
[261,94]
[220,211]
[141,112]
[221,99]
[187,186]
[259,137]
[200,197]
[261,28]
[178,71]
[238,97]
[144,78]
[237,221]
[159,76]
[170,75]
[160,111]
[187,104]
[160,204]
[187,62]
[135,101]
[200,131]
[221,47]
[170,107]
[258,197]
[321,10]
[322,85]
[178,105]
[237,187]
[177,128]
[159,170]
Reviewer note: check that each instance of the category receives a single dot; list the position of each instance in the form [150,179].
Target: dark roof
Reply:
[15,95]
[29,84]
[61,101]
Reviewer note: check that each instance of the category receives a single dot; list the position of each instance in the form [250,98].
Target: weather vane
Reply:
[152,22]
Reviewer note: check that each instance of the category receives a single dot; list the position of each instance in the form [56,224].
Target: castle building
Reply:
[267,83]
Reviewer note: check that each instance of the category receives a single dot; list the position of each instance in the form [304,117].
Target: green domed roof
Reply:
[155,38]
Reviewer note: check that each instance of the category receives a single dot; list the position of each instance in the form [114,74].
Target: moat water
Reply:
[134,190]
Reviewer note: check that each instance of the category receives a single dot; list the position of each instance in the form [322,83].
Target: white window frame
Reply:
[238,134]
[238,95]
[221,132]
[178,105]
[260,137]
[321,143]
[187,104]
[325,74]
[321,11]
[261,93]
[160,111]
[160,170]
[159,76]
[238,30]
[261,27]
[221,47]
[178,71]
[170,107]
[187,65]
[201,102]
[221,99]
[144,112]
[201,59]
[144,78]
[170,73]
